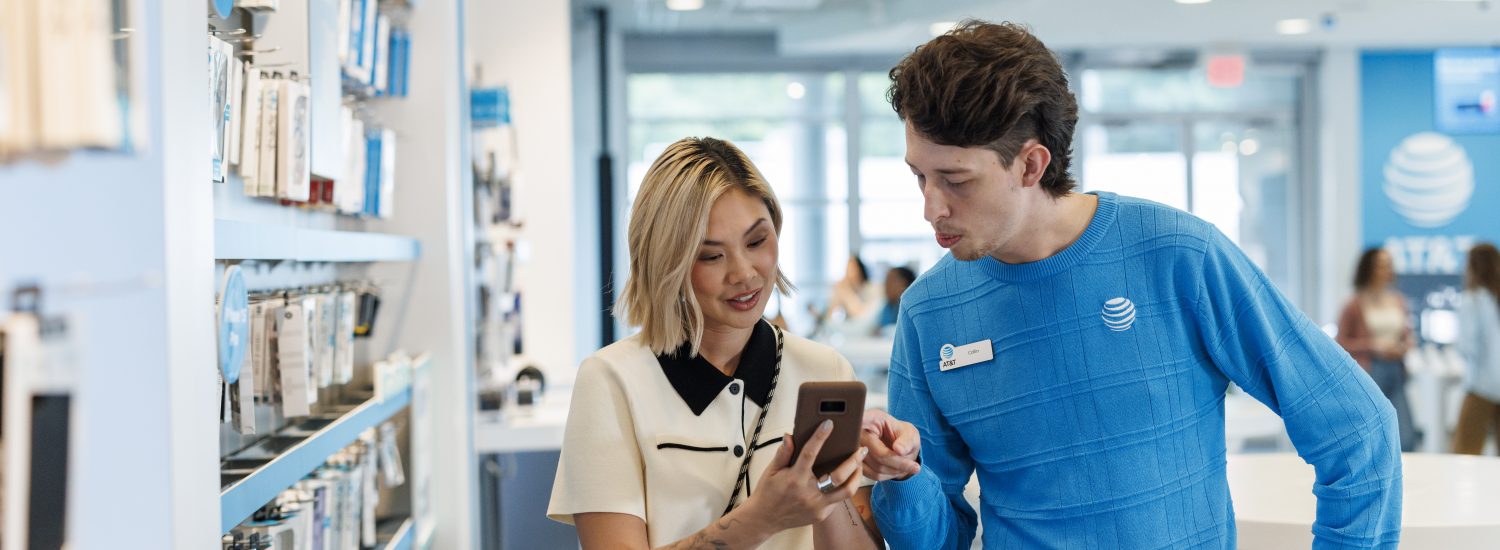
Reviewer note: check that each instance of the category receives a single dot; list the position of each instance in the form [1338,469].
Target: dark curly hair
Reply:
[989,85]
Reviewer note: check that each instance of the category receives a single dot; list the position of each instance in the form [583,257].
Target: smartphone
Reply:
[841,402]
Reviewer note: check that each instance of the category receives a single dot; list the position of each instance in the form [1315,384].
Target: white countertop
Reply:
[540,427]
[536,427]
[1449,501]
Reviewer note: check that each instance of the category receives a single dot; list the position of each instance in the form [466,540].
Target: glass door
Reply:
[1135,156]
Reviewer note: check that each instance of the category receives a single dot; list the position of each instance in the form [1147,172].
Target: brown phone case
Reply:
[841,402]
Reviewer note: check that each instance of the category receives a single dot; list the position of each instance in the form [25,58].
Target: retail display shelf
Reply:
[237,240]
[399,536]
[273,469]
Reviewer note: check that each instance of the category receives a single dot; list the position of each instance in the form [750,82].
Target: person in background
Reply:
[670,429]
[1479,343]
[853,296]
[896,281]
[1375,329]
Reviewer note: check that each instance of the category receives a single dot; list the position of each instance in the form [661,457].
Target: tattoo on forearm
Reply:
[868,515]
[699,541]
[852,520]
[702,541]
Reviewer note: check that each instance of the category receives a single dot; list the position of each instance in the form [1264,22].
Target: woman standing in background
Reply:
[1479,343]
[1375,329]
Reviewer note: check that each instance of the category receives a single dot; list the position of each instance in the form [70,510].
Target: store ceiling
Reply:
[810,27]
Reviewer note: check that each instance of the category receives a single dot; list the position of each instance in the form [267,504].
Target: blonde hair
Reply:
[668,222]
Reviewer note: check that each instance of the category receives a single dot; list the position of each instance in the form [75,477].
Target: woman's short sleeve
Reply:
[600,469]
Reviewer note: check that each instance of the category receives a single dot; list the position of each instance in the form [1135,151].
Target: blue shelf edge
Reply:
[238,240]
[241,499]
[402,540]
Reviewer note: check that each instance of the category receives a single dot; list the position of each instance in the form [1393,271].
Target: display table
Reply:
[862,351]
[1246,419]
[1450,502]
[536,427]
[1435,390]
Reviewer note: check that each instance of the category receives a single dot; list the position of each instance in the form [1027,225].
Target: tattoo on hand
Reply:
[724,524]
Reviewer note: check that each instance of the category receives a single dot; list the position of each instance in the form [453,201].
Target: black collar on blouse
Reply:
[698,382]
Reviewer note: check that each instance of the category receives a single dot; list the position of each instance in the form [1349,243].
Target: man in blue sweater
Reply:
[1074,349]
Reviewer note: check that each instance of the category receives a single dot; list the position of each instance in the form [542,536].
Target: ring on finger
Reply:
[826,484]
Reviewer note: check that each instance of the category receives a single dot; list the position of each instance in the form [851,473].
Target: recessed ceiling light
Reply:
[795,90]
[684,5]
[1249,146]
[941,28]
[1294,26]
[1193,1]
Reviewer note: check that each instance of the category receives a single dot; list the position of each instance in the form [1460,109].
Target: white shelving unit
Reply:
[277,468]
[122,243]
[400,537]
[421,278]
[237,240]
[125,245]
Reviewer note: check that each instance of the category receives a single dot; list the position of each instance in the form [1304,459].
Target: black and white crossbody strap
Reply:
[739,482]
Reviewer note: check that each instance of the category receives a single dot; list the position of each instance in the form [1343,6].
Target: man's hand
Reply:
[893,446]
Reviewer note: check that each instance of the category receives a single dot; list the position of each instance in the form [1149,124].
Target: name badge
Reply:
[965,355]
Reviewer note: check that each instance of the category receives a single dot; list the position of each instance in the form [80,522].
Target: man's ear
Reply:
[1033,159]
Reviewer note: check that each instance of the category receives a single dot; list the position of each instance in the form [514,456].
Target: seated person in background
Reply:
[853,303]
[896,281]
[853,296]
[674,437]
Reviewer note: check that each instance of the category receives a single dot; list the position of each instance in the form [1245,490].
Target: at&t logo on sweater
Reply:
[1118,314]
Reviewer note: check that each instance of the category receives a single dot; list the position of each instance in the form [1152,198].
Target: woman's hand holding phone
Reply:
[787,495]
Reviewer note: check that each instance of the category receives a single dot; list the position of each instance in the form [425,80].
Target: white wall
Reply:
[432,297]
[527,46]
[1337,235]
[188,229]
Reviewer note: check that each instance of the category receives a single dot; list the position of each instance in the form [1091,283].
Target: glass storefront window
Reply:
[1146,90]
[1139,159]
[1228,155]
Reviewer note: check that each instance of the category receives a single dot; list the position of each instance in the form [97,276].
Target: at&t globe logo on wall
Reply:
[1429,179]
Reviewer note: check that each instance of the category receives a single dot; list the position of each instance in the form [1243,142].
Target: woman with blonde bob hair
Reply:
[667,435]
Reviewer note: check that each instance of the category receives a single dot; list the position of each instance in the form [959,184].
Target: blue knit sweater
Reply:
[1100,421]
